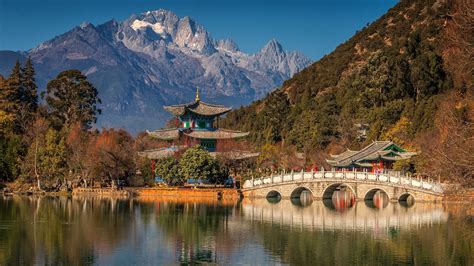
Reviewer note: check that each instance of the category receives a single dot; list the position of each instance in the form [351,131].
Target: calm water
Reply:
[104,231]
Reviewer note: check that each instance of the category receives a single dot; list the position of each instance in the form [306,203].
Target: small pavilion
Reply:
[198,123]
[377,156]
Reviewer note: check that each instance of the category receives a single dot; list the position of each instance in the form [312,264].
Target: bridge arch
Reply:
[377,198]
[371,193]
[330,189]
[274,194]
[298,191]
[407,199]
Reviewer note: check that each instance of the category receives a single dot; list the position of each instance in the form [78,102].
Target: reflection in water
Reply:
[359,218]
[107,231]
[302,201]
[274,196]
[340,200]
[378,200]
[407,200]
[197,231]
[40,230]
[273,199]
[361,235]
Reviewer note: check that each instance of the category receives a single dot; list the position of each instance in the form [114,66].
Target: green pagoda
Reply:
[198,123]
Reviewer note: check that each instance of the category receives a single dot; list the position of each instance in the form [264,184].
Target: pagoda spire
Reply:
[197,95]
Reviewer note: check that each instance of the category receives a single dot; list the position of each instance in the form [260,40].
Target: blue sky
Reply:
[312,27]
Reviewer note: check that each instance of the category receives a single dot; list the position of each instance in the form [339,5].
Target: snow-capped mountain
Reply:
[157,58]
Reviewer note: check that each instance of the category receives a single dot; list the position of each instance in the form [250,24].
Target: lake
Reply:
[111,231]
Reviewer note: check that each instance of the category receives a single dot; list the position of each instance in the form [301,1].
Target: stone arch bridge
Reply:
[323,184]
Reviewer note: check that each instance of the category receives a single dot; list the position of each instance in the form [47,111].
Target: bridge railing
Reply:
[391,179]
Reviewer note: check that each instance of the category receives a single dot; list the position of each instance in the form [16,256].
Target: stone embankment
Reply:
[220,193]
[215,193]
[101,192]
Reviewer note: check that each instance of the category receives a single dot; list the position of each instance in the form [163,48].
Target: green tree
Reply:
[52,156]
[72,99]
[167,168]
[197,163]
[10,149]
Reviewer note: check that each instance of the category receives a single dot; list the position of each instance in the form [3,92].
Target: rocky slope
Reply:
[388,77]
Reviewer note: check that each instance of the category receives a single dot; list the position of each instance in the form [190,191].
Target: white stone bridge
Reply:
[322,184]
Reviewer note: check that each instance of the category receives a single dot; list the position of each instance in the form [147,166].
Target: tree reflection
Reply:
[198,229]
[88,230]
[60,230]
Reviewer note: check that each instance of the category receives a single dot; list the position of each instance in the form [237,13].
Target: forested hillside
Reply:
[406,77]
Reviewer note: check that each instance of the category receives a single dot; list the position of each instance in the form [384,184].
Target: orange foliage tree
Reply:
[111,155]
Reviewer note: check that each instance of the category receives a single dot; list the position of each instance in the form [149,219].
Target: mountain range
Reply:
[155,59]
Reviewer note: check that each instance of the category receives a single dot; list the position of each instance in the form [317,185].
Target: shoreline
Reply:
[465,197]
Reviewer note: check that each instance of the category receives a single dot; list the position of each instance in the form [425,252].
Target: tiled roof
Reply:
[236,154]
[374,151]
[197,107]
[165,134]
[157,153]
[216,134]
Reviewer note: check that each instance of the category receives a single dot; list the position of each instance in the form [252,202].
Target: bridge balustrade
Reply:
[391,178]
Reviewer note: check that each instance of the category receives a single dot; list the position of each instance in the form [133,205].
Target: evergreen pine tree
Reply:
[28,95]
[10,91]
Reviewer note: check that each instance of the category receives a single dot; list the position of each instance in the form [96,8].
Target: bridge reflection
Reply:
[342,213]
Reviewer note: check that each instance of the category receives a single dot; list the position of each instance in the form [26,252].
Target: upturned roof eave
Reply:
[180,109]
[217,134]
[161,134]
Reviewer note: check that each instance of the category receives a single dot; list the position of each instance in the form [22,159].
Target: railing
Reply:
[392,179]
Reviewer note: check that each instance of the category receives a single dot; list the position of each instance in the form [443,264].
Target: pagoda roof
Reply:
[386,150]
[157,154]
[219,133]
[197,107]
[161,153]
[236,154]
[165,134]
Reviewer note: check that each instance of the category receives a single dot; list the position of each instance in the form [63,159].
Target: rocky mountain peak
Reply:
[272,48]
[227,45]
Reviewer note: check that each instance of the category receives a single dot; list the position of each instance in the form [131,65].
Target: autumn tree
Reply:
[6,116]
[10,92]
[77,143]
[459,44]
[112,155]
[72,99]
[450,157]
[269,157]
